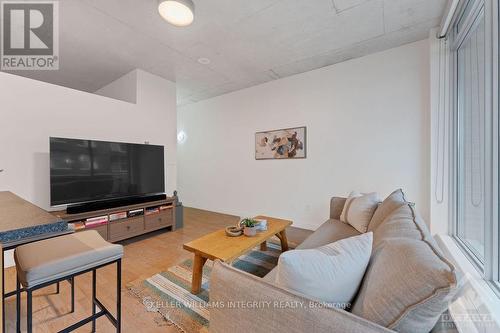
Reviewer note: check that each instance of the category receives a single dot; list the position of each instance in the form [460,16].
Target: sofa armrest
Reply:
[336,207]
[241,302]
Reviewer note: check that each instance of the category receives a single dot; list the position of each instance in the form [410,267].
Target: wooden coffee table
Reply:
[217,245]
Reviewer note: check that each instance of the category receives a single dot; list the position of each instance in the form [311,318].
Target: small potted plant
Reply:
[250,227]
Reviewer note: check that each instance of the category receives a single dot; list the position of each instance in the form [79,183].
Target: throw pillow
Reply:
[359,209]
[403,222]
[331,273]
[408,283]
[395,200]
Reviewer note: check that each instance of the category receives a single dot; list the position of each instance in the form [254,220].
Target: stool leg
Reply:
[3,291]
[119,296]
[93,298]
[18,305]
[29,313]
[72,282]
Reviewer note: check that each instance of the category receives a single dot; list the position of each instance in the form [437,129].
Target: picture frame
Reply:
[281,144]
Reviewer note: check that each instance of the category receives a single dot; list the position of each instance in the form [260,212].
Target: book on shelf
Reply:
[93,224]
[101,221]
[165,207]
[117,216]
[135,212]
[76,226]
[97,218]
[153,210]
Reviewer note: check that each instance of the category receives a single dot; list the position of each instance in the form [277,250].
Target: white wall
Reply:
[125,88]
[368,127]
[32,111]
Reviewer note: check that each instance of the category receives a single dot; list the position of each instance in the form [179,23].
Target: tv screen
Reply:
[87,170]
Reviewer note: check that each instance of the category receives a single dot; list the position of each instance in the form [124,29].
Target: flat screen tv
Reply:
[83,171]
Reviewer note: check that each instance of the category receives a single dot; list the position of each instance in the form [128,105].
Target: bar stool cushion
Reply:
[54,258]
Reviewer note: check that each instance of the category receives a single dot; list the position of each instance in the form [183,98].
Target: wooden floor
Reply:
[144,256]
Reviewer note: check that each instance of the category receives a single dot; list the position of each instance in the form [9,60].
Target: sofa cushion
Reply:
[408,283]
[358,210]
[329,232]
[331,273]
[395,200]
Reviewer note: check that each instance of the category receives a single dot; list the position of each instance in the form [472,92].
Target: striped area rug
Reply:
[168,293]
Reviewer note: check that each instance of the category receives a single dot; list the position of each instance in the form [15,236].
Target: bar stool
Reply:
[50,261]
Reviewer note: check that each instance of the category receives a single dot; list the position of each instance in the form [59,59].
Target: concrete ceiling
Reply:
[248,42]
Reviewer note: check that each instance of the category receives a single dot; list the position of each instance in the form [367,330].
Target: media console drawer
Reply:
[157,221]
[126,228]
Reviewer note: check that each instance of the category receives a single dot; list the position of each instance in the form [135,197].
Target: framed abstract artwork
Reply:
[288,143]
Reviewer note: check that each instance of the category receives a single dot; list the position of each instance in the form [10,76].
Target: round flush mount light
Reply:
[177,12]
[204,61]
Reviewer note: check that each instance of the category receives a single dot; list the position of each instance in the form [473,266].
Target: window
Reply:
[471,129]
[476,137]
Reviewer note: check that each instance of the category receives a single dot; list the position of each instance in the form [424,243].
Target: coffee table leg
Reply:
[198,263]
[284,240]
[263,246]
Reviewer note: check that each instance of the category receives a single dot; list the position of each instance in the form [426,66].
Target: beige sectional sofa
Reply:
[407,285]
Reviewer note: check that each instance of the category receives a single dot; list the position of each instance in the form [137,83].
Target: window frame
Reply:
[494,7]
[489,268]
[469,24]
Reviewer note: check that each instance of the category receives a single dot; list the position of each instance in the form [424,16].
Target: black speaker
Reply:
[107,204]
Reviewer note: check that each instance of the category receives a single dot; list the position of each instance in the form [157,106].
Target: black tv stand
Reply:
[114,203]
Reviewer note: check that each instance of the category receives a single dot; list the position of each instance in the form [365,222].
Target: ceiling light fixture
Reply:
[204,61]
[177,12]
[181,137]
